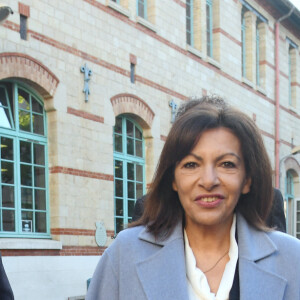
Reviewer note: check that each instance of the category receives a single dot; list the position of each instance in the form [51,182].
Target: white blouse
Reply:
[198,288]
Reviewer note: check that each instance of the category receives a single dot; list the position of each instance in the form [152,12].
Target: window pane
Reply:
[298,227]
[119,188]
[40,199]
[118,143]
[8,198]
[36,106]
[7,151]
[118,126]
[129,128]
[8,217]
[39,154]
[40,222]
[26,175]
[141,9]
[138,133]
[7,172]
[130,191]
[119,207]
[130,208]
[298,205]
[26,198]
[23,100]
[139,173]
[24,120]
[130,144]
[139,148]
[4,117]
[25,152]
[118,169]
[130,171]
[38,124]
[27,221]
[139,190]
[119,224]
[39,177]
[3,99]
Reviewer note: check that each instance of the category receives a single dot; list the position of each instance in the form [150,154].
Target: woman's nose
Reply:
[208,178]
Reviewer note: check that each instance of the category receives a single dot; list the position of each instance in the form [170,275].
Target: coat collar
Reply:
[177,233]
[254,247]
[256,250]
[163,274]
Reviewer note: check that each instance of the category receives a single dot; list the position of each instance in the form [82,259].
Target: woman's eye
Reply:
[190,165]
[228,164]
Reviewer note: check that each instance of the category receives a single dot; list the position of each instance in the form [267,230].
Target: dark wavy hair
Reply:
[162,206]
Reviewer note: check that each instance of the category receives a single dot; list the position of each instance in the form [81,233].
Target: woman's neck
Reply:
[209,238]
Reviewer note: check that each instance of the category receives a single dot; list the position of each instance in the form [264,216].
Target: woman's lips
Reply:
[209,200]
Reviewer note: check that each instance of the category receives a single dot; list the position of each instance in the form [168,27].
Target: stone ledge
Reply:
[146,23]
[15,243]
[194,51]
[118,8]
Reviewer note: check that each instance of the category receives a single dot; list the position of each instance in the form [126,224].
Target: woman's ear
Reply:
[247,186]
[174,186]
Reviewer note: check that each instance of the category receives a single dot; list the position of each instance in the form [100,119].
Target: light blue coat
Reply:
[136,266]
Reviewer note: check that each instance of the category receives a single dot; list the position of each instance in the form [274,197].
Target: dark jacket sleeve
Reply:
[6,292]
[138,208]
[276,218]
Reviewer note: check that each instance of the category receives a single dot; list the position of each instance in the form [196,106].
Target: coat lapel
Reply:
[163,275]
[256,251]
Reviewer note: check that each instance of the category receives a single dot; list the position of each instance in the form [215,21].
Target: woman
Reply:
[203,232]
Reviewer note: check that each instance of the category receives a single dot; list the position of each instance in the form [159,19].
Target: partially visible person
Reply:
[6,292]
[138,208]
[203,233]
[276,217]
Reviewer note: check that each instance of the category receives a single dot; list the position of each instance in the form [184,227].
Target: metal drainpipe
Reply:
[277,121]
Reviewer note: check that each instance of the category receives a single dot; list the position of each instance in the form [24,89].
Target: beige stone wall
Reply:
[64,35]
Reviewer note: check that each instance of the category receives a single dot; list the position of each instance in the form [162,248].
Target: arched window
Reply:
[23,162]
[290,209]
[129,169]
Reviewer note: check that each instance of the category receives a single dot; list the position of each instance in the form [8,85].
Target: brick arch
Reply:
[291,163]
[30,70]
[128,103]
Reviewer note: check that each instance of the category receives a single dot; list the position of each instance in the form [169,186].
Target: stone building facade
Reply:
[71,158]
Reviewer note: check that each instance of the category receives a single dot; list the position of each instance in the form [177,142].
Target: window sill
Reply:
[118,8]
[261,90]
[293,109]
[14,243]
[213,62]
[146,23]
[248,82]
[194,51]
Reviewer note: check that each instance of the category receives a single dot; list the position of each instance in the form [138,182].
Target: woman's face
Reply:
[211,178]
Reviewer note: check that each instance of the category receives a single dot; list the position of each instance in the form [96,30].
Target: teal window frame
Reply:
[117,1]
[257,54]
[292,46]
[290,74]
[142,8]
[243,33]
[129,170]
[289,197]
[190,22]
[209,28]
[37,192]
[260,18]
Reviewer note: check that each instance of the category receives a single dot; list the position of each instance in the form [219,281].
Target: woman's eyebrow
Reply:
[219,157]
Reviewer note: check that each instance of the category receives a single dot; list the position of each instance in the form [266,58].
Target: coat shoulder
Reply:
[286,243]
